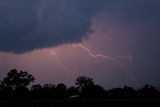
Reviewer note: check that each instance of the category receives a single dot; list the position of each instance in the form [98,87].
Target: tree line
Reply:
[14,86]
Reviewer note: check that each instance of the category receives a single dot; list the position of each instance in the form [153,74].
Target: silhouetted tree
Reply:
[73,91]
[149,91]
[48,91]
[61,86]
[94,91]
[88,89]
[17,79]
[129,92]
[36,87]
[48,86]
[36,92]
[83,82]
[125,92]
[14,86]
[61,90]
[116,93]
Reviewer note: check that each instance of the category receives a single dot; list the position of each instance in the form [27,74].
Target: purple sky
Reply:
[127,31]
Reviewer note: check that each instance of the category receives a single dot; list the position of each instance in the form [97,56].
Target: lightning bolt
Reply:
[58,61]
[60,64]
[106,57]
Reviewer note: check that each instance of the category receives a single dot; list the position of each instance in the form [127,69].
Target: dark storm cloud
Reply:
[26,25]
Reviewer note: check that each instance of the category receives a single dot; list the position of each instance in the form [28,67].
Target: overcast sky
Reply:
[126,32]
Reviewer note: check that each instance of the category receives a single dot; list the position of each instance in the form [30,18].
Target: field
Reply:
[82,103]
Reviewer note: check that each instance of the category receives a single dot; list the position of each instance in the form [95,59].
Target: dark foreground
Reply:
[82,103]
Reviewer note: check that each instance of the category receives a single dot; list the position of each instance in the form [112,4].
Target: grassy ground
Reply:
[82,103]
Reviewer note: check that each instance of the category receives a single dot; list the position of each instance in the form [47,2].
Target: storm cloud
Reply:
[26,25]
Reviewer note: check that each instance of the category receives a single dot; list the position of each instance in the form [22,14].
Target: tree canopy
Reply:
[84,82]
[17,79]
[14,86]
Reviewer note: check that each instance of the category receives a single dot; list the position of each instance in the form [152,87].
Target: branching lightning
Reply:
[95,56]
[107,57]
